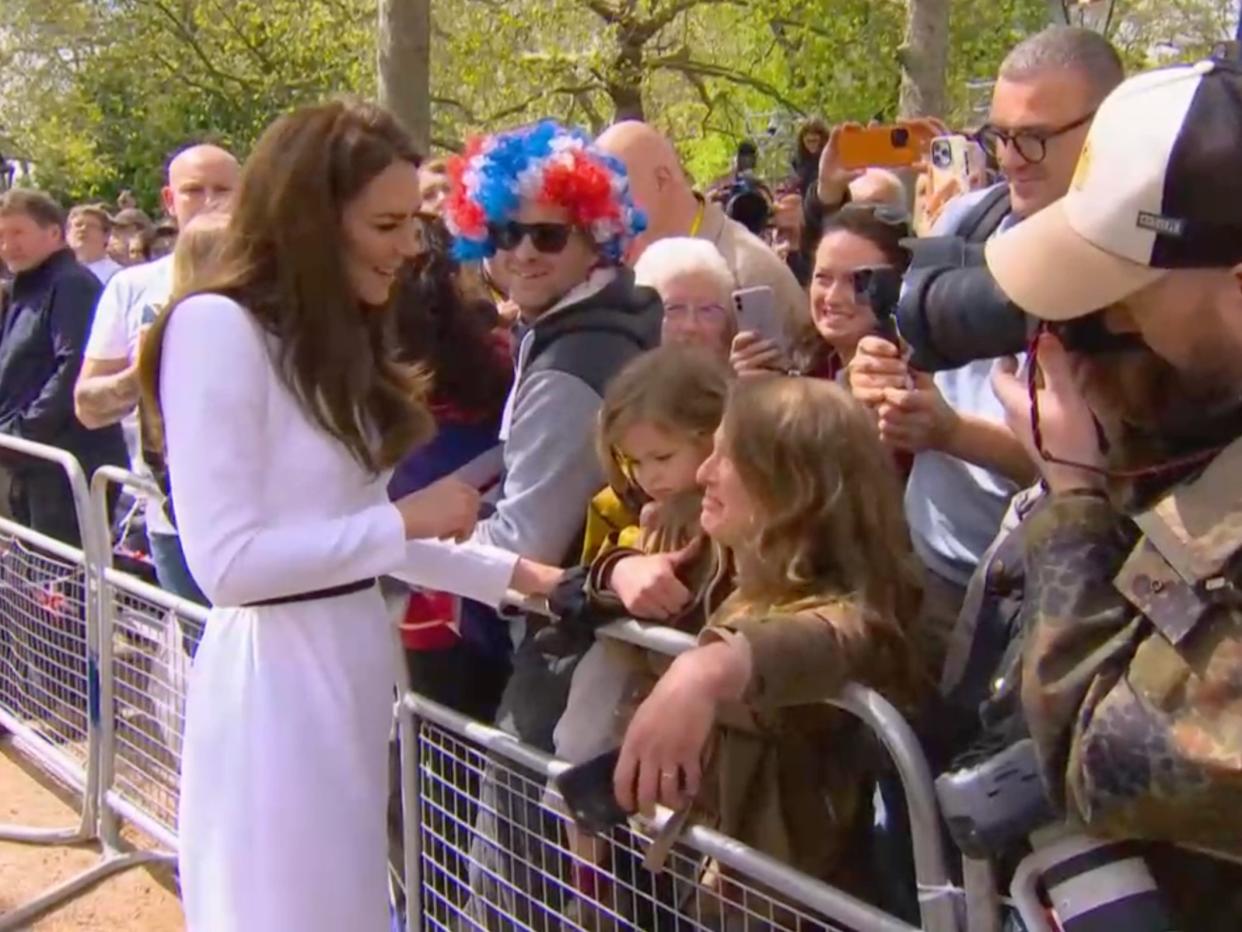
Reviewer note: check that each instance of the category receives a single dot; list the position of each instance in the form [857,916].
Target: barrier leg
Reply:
[24,915]
[982,903]
[411,806]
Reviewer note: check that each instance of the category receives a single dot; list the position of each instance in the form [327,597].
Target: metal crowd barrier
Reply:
[144,656]
[49,668]
[470,863]
[92,681]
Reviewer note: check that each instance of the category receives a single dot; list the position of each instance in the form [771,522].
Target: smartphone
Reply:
[891,146]
[956,162]
[757,313]
[957,157]
[589,794]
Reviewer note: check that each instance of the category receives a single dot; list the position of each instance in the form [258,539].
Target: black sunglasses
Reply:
[549,238]
[1031,144]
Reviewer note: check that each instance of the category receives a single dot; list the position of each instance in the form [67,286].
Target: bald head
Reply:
[200,178]
[657,180]
[878,187]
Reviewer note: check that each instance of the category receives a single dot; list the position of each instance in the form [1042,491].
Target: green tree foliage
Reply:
[95,92]
[103,89]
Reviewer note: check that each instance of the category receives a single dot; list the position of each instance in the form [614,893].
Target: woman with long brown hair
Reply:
[283,411]
[805,501]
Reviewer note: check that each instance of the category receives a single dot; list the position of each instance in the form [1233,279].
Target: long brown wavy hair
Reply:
[830,521]
[680,389]
[281,259]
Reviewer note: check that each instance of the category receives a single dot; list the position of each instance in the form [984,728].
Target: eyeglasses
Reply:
[1031,144]
[550,238]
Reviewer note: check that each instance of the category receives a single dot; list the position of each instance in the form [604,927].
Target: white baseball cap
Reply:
[1158,187]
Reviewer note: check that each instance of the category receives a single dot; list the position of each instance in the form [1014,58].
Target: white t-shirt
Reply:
[130,301]
[954,508]
[132,298]
[104,268]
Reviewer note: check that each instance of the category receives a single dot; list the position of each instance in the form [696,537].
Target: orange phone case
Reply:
[892,146]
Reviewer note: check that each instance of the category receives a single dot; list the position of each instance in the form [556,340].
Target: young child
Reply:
[655,431]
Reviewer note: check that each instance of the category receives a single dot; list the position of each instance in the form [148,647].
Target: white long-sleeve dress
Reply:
[284,774]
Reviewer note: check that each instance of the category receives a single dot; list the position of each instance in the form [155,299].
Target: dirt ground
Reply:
[142,899]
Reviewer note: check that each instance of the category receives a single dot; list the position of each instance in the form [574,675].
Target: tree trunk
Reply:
[627,102]
[625,85]
[924,58]
[403,52]
[1058,12]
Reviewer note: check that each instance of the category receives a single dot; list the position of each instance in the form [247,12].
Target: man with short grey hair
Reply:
[967,464]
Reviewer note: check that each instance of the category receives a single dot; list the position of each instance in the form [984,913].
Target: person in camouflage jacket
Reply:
[1132,663]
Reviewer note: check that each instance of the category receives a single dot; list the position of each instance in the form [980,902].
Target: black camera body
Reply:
[747,202]
[951,311]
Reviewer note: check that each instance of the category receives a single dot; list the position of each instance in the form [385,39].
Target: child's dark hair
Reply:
[678,388]
[445,323]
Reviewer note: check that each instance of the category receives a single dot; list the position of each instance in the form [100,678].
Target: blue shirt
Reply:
[954,508]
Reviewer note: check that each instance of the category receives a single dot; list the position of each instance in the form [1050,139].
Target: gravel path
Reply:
[138,900]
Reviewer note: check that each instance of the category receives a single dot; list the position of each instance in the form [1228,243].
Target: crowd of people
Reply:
[990,473]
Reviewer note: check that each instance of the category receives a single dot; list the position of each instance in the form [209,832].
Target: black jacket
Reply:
[41,345]
[595,338]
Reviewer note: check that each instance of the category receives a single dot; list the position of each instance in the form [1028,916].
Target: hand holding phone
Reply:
[957,165]
[899,145]
[757,313]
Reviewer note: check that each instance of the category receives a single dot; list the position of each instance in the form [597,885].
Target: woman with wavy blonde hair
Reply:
[806,501]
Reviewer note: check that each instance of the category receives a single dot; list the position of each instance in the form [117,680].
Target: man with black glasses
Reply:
[553,216]
[968,465]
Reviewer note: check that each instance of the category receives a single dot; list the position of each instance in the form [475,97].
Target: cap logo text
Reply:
[1158,223]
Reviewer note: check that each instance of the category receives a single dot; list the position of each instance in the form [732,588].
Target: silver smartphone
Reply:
[757,313]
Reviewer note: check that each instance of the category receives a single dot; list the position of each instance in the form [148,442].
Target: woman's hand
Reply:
[876,368]
[531,578]
[751,354]
[834,180]
[916,419]
[648,586]
[662,755]
[448,510]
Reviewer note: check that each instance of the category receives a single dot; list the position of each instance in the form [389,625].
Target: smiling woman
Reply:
[283,409]
[377,237]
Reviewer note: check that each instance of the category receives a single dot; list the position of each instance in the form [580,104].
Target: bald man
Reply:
[879,187]
[201,178]
[673,208]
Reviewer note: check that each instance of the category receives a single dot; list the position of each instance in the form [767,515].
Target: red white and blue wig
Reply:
[547,163]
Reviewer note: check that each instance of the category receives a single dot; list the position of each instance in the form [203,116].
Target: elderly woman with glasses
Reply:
[697,289]
[696,286]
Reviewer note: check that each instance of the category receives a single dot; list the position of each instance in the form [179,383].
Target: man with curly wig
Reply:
[554,216]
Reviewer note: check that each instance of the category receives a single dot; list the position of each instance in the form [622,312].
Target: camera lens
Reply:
[900,137]
[942,154]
